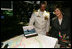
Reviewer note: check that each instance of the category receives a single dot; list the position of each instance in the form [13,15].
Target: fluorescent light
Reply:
[6,9]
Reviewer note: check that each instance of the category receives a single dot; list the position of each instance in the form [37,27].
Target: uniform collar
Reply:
[40,11]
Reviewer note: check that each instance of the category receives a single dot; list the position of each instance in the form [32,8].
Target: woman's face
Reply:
[57,12]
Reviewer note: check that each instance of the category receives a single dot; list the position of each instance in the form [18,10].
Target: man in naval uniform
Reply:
[40,19]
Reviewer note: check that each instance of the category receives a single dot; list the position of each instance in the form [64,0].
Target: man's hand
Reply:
[46,33]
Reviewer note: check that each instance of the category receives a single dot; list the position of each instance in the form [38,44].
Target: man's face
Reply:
[57,12]
[43,6]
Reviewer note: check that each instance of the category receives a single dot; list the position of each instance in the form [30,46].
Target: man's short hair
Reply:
[43,2]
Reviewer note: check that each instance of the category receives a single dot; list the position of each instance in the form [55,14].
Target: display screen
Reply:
[29,30]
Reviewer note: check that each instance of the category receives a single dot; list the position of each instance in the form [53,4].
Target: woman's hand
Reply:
[64,36]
